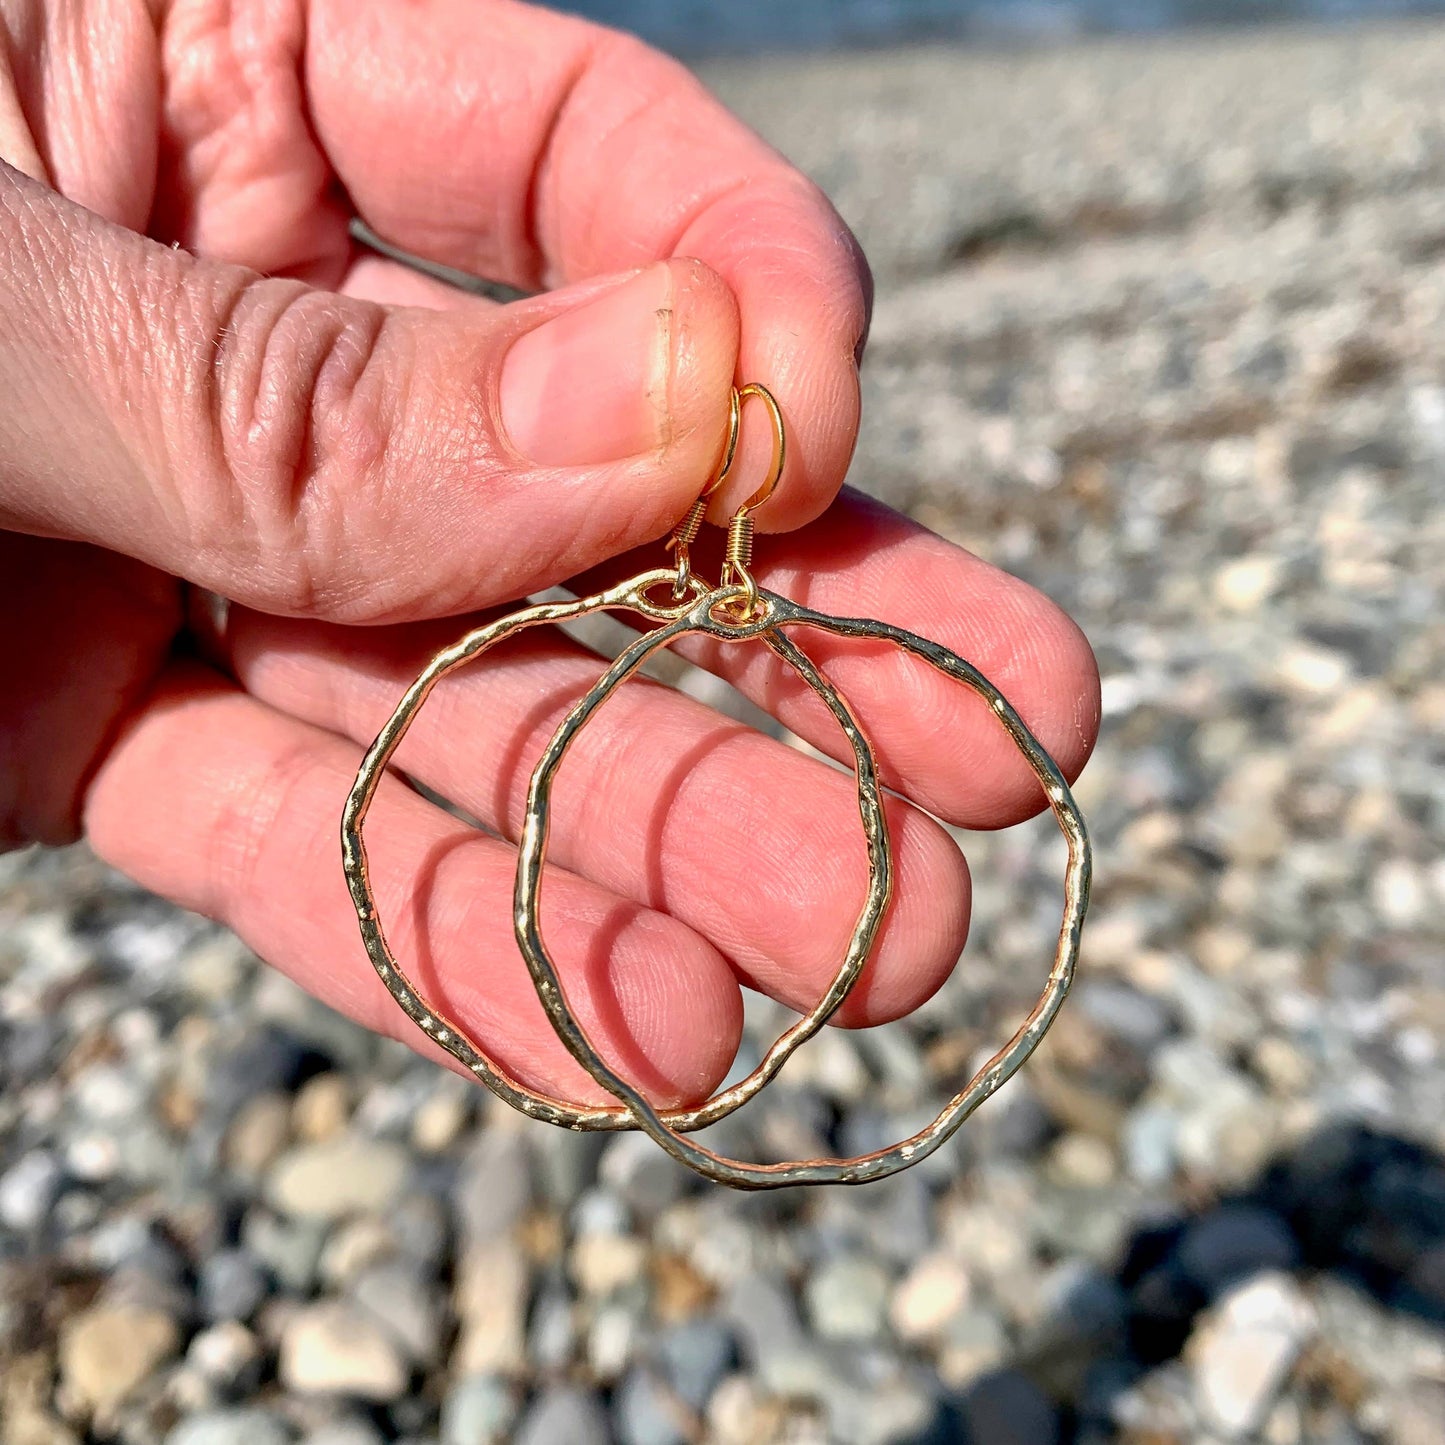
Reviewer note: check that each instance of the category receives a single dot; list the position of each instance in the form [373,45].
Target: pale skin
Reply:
[203,379]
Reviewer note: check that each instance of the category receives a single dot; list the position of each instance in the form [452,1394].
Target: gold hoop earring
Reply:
[737,610]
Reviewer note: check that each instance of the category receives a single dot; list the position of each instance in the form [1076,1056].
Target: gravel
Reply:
[1163,337]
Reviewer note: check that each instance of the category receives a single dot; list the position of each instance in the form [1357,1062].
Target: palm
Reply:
[538,151]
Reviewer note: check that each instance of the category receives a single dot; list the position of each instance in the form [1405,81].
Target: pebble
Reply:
[322,1107]
[1082,1160]
[29,1189]
[439,1122]
[1415,1413]
[603,1263]
[231,1285]
[641,1174]
[257,1134]
[346,1432]
[337,1177]
[1149,1141]
[646,1412]
[267,1060]
[354,1245]
[974,1342]
[552,1330]
[227,1355]
[847,1299]
[1242,1353]
[242,1426]
[289,1248]
[330,1348]
[491,1298]
[405,1306]
[479,1410]
[695,1356]
[1127,1015]
[107,1351]
[564,1415]
[494,1185]
[1007,1408]
[1235,1242]
[612,1342]
[928,1297]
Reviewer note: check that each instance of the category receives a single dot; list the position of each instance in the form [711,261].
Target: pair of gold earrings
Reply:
[737,610]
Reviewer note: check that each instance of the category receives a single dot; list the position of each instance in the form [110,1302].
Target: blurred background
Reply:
[1161,328]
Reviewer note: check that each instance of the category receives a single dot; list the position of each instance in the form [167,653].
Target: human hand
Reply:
[349,452]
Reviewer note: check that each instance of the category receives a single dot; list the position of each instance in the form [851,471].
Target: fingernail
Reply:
[591,385]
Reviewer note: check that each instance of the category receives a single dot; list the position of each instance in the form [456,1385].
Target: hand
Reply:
[204,381]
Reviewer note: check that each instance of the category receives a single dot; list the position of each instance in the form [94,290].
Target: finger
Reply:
[308,453]
[231,809]
[527,147]
[86,634]
[936,741]
[756,847]
[390,283]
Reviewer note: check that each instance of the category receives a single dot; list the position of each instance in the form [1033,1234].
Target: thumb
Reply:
[309,453]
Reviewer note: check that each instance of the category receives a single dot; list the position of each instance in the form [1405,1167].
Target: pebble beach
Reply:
[1160,327]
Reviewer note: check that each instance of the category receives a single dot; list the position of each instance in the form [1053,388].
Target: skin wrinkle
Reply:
[18,144]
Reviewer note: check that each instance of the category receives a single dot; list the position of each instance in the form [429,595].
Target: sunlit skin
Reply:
[204,380]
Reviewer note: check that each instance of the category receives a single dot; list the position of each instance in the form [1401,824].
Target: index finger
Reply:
[538,149]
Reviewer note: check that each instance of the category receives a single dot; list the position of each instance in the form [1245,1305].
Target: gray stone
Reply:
[479,1410]
[564,1415]
[1017,1121]
[552,1329]
[1007,1408]
[1235,1242]
[847,1299]
[418,1227]
[267,1059]
[640,1173]
[240,1426]
[695,1356]
[1122,1011]
[897,1411]
[405,1306]
[289,1248]
[774,1345]
[231,1285]
[28,1189]
[646,1413]
[1149,1139]
[494,1187]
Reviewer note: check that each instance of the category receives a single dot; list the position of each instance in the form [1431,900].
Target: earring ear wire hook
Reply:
[685,533]
[738,559]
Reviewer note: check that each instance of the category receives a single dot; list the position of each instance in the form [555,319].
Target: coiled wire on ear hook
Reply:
[686,531]
[738,558]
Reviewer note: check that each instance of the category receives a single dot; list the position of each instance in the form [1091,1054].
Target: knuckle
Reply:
[303,424]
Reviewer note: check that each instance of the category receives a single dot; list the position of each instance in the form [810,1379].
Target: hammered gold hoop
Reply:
[778,612]
[632,595]
[737,611]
